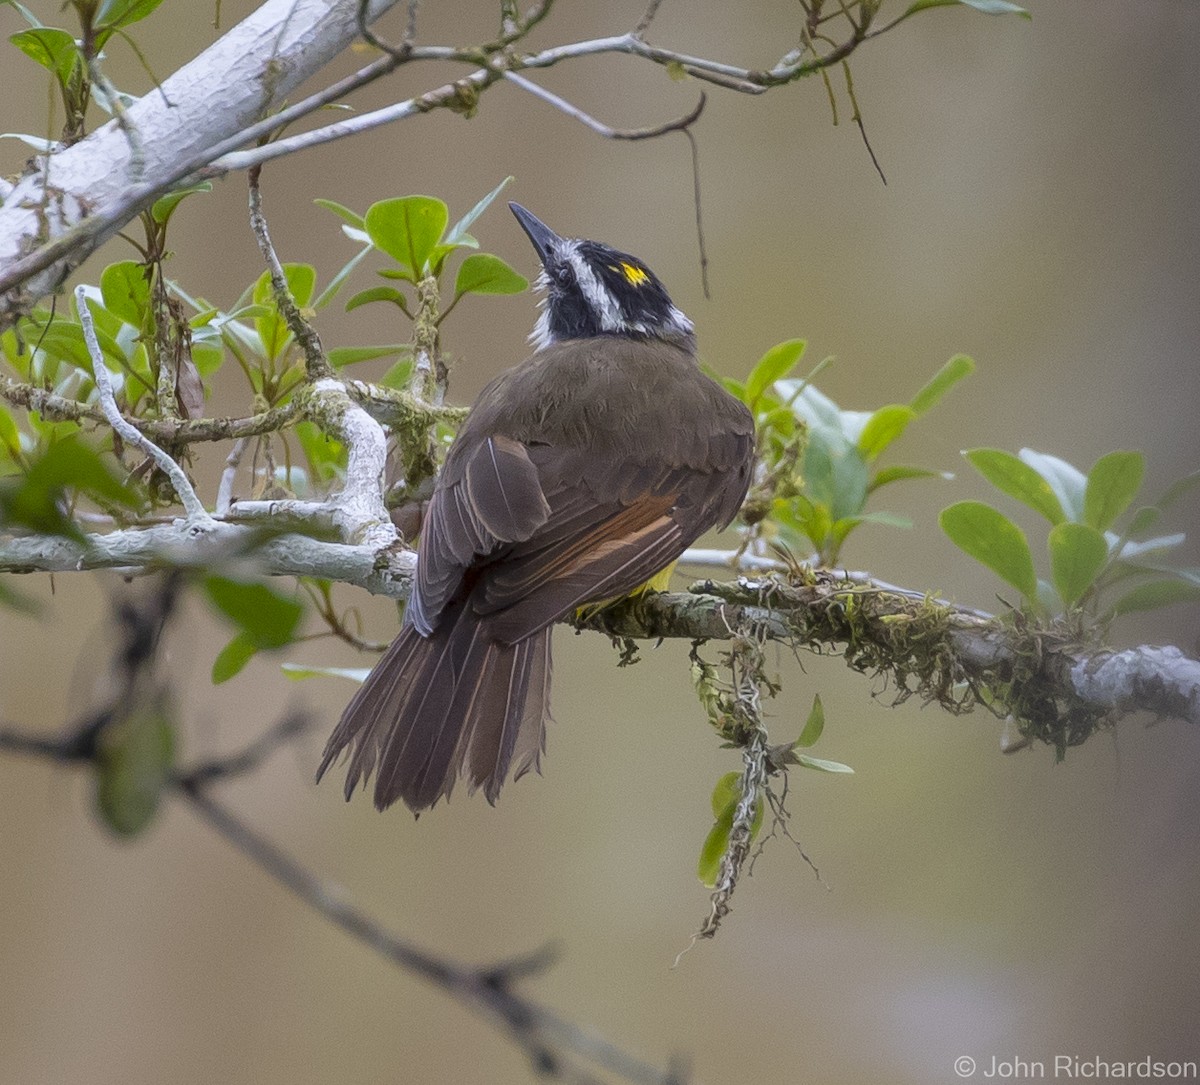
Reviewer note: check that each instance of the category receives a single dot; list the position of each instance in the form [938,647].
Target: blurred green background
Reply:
[1041,214]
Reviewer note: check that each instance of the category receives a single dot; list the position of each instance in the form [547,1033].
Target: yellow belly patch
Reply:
[660,581]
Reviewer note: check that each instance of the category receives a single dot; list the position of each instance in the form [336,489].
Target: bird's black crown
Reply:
[595,290]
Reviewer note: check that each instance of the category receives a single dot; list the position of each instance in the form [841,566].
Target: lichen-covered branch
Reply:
[381,571]
[1059,690]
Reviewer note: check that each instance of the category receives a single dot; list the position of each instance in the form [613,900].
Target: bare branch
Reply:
[400,53]
[225,489]
[316,365]
[387,571]
[680,125]
[879,629]
[181,431]
[193,507]
[89,209]
[549,1041]
[647,18]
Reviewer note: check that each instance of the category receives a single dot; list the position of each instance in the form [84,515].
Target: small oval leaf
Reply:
[483,273]
[883,427]
[1013,476]
[813,726]
[1112,484]
[1077,554]
[408,229]
[776,364]
[993,539]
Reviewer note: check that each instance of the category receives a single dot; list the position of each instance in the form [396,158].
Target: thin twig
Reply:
[399,53]
[547,1039]
[680,125]
[182,431]
[137,154]
[225,489]
[691,138]
[250,757]
[193,507]
[647,18]
[316,364]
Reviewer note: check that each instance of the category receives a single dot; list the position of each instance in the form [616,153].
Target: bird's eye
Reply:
[564,275]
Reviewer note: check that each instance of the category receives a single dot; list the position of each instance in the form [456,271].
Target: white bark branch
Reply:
[1155,679]
[192,505]
[381,571]
[239,80]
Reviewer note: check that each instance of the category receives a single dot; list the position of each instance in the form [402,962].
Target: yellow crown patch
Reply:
[634,275]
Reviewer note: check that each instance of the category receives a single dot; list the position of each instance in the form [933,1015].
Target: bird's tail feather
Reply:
[456,702]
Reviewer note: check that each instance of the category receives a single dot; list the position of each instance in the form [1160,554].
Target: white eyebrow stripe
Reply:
[598,296]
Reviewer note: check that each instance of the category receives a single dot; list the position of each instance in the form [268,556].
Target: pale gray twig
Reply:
[680,125]
[225,489]
[193,507]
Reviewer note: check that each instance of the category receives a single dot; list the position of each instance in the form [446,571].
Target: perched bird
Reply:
[576,478]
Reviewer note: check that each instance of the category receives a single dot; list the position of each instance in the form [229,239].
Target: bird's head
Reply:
[593,290]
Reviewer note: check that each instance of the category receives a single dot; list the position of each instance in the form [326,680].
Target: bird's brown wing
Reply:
[592,549]
[497,500]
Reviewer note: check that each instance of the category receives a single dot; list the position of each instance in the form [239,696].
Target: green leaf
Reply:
[458,232]
[883,427]
[1135,552]
[126,292]
[1065,479]
[1155,594]
[708,869]
[885,476]
[378,293]
[164,206]
[959,367]
[725,798]
[343,356]
[120,13]
[1112,484]
[18,601]
[992,539]
[232,658]
[407,228]
[268,619]
[399,375]
[297,672]
[54,49]
[776,364]
[988,7]
[813,726]
[133,768]
[353,217]
[997,7]
[326,457]
[1016,478]
[726,793]
[25,13]
[822,765]
[835,475]
[335,284]
[33,500]
[10,436]
[483,273]
[1077,554]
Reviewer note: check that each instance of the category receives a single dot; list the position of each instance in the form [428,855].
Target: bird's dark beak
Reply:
[539,233]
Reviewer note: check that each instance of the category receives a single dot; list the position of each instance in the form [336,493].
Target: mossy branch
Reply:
[1056,689]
